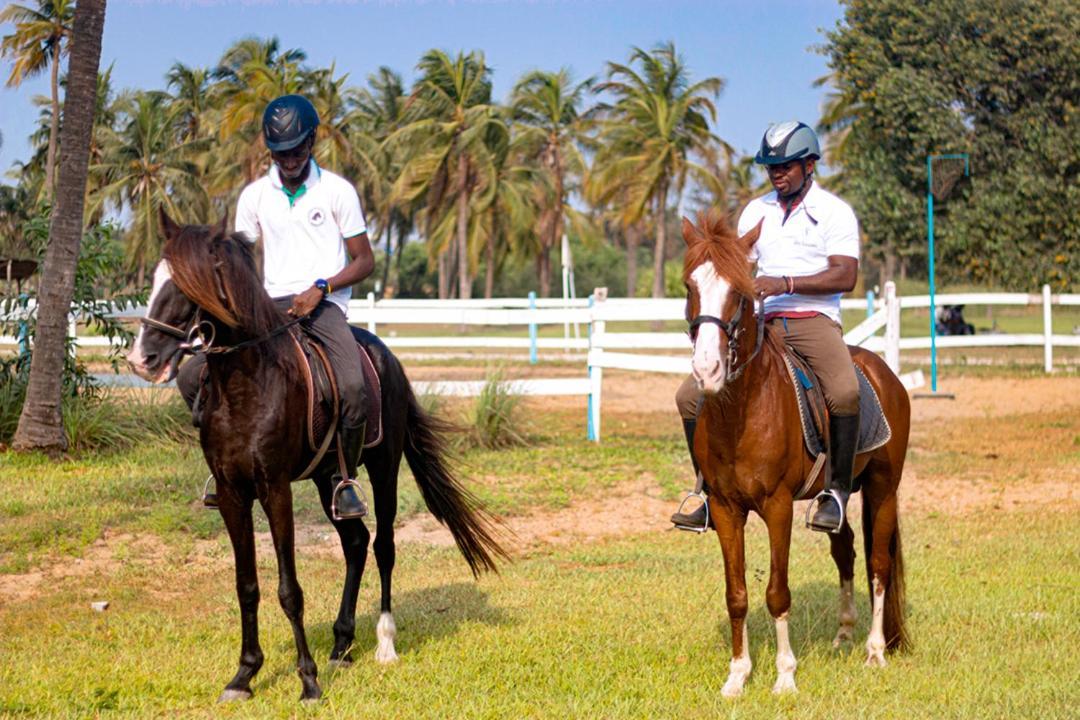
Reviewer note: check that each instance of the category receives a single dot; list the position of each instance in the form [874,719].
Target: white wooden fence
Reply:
[585,329]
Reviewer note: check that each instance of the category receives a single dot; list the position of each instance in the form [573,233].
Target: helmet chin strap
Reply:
[803,187]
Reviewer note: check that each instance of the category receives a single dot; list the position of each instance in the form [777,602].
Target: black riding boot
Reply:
[698,520]
[832,501]
[347,503]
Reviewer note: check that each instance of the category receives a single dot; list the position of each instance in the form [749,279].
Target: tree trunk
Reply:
[41,424]
[54,126]
[633,240]
[386,261]
[661,243]
[489,270]
[464,282]
[444,275]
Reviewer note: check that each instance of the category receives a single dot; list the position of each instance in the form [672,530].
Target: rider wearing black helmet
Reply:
[807,255]
[315,248]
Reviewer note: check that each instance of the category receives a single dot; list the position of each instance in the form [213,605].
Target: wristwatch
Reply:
[322,285]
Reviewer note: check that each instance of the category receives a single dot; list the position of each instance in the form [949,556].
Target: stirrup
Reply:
[209,499]
[338,489]
[704,503]
[814,505]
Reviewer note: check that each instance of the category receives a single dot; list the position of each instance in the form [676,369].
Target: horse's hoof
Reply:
[842,637]
[311,695]
[875,660]
[339,663]
[784,684]
[386,656]
[731,690]
[231,694]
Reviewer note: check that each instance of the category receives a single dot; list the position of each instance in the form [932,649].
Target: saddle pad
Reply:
[374,432]
[874,430]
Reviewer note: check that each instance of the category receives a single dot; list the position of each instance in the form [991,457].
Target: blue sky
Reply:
[763,50]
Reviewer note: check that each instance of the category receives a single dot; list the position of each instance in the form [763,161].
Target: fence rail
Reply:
[585,329]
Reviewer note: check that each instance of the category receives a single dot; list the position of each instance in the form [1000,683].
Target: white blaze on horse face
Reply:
[137,357]
[708,362]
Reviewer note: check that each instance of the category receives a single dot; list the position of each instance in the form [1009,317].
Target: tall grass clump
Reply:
[496,422]
[113,420]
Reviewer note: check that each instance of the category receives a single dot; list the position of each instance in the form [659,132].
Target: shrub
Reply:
[495,422]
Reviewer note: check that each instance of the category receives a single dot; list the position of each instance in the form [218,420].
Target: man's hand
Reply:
[766,286]
[304,303]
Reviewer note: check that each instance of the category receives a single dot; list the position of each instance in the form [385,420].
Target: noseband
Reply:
[733,331]
[186,337]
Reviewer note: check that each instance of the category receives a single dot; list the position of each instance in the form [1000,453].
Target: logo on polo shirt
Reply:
[316,216]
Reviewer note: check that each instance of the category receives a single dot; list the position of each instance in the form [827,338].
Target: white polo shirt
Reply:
[303,235]
[820,226]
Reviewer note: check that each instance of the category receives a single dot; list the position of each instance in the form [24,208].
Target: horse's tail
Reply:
[896,635]
[451,504]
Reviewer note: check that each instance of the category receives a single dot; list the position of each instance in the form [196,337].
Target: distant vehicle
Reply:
[950,321]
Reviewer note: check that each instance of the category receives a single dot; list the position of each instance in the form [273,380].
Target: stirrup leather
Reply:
[700,495]
[814,505]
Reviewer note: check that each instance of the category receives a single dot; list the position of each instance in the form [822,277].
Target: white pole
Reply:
[596,373]
[892,328]
[564,252]
[1048,331]
[371,312]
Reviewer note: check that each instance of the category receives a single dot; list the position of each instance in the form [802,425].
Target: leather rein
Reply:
[733,330]
[206,339]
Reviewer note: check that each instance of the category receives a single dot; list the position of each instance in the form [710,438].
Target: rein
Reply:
[207,347]
[733,331]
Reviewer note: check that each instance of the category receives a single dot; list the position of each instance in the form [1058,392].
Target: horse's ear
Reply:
[223,226]
[170,228]
[690,235]
[749,239]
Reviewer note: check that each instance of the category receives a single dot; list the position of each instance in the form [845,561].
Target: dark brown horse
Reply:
[253,437]
[750,449]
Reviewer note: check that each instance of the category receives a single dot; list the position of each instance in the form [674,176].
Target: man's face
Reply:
[292,163]
[788,177]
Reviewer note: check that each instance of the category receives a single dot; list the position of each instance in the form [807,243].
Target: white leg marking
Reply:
[708,363]
[740,668]
[848,614]
[385,632]
[875,643]
[785,658]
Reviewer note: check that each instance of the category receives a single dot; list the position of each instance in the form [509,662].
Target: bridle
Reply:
[733,330]
[206,337]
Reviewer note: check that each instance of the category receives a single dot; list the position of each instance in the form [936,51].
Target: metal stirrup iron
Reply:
[700,495]
[814,506]
[346,482]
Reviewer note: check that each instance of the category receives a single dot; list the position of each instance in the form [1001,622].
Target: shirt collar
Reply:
[312,179]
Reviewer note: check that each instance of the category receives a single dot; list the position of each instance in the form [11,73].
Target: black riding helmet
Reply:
[288,121]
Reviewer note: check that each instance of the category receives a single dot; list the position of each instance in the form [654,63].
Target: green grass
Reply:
[626,629]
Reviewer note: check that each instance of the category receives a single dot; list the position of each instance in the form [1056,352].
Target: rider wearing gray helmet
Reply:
[807,256]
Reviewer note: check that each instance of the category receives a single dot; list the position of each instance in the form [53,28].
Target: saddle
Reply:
[322,405]
[874,430]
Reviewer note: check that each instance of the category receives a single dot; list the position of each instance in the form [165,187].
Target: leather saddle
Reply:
[322,398]
[874,430]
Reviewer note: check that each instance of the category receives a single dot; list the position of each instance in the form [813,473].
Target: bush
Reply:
[495,422]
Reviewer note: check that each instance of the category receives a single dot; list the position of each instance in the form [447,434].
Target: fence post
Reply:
[1048,331]
[590,431]
[371,312]
[596,372]
[869,303]
[892,328]
[532,327]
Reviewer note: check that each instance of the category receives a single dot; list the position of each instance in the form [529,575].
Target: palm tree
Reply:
[450,121]
[40,423]
[657,122]
[145,169]
[190,87]
[40,39]
[547,108]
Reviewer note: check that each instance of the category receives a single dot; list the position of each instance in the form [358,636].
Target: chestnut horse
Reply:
[253,437]
[750,449]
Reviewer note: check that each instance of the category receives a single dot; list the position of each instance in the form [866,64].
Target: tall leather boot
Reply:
[832,501]
[697,520]
[346,502]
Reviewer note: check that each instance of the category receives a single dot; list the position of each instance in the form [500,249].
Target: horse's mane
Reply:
[219,274]
[714,239]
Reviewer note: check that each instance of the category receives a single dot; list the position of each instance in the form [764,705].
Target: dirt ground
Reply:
[642,507]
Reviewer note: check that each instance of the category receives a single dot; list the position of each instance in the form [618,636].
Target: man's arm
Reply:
[839,277]
[361,263]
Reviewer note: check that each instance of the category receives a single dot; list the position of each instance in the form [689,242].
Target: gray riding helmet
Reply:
[787,141]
